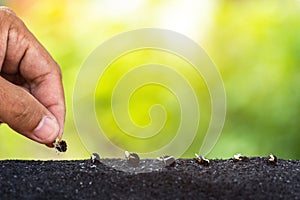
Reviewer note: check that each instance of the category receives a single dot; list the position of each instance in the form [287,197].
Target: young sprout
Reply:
[95,158]
[133,159]
[201,160]
[240,157]
[60,145]
[272,159]
[168,160]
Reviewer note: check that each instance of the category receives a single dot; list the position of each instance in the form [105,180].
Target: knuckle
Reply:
[54,71]
[16,36]
[7,14]
[7,10]
[8,17]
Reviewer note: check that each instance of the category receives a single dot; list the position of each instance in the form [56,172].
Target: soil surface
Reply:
[254,178]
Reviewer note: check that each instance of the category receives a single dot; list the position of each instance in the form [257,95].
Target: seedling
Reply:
[239,157]
[60,145]
[201,160]
[168,160]
[272,159]
[95,158]
[133,159]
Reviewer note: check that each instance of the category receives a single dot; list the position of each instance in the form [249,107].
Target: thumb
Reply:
[23,113]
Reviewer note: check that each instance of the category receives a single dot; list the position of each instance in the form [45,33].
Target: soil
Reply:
[254,178]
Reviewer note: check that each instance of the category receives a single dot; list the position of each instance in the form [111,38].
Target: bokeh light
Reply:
[254,43]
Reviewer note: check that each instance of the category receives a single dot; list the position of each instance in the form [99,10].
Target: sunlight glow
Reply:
[121,7]
[189,17]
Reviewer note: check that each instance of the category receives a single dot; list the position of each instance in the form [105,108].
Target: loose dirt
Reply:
[254,178]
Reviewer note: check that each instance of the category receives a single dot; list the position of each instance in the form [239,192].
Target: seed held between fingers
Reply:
[60,145]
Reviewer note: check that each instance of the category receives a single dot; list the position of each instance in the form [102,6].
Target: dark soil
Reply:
[254,178]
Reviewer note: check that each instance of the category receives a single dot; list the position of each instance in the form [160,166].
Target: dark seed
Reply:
[61,146]
[133,159]
[95,158]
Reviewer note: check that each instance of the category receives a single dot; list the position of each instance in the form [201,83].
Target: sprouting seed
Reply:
[60,145]
[272,159]
[168,160]
[201,160]
[239,157]
[133,159]
[95,158]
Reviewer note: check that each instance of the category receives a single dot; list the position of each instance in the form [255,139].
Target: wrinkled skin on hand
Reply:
[31,92]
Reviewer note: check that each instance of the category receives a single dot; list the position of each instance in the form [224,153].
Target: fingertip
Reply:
[50,145]
[46,131]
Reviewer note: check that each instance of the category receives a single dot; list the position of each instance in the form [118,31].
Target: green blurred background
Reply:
[254,43]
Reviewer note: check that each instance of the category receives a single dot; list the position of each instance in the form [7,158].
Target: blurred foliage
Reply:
[254,43]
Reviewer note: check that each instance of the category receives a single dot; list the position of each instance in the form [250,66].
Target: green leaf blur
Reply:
[254,43]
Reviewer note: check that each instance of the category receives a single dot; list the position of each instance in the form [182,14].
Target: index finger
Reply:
[45,80]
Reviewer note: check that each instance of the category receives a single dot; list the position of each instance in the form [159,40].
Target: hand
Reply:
[31,92]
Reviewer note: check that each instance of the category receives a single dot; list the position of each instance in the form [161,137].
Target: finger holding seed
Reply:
[60,145]
[31,92]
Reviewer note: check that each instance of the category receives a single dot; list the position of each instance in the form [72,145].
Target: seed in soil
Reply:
[272,159]
[239,157]
[95,158]
[60,145]
[201,160]
[133,159]
[168,160]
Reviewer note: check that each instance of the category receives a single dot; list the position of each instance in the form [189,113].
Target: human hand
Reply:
[31,92]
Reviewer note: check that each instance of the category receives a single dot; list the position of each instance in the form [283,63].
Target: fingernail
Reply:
[46,128]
